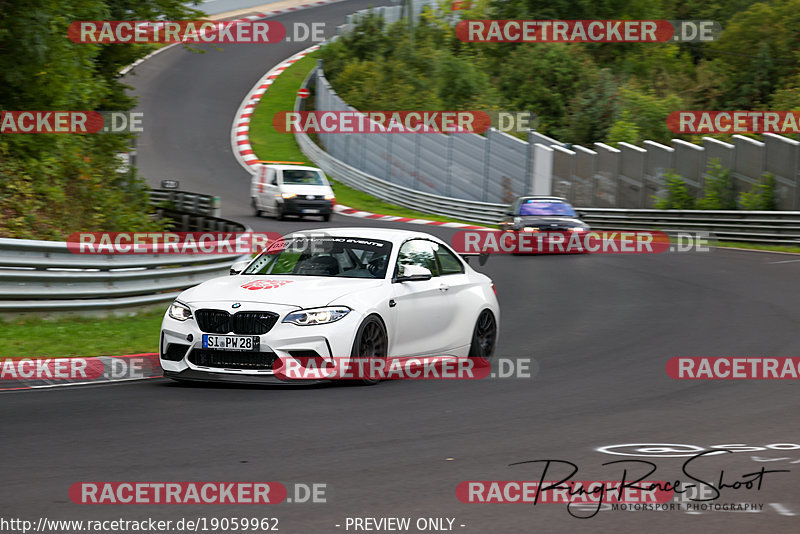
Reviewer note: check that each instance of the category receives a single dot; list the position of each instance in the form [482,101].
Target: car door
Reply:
[420,309]
[463,297]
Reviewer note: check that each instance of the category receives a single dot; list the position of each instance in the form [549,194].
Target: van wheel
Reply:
[326,217]
[281,216]
[256,211]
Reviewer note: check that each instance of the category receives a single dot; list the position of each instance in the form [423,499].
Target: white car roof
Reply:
[387,234]
[295,167]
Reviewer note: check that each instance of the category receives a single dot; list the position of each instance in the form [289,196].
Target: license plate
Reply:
[310,211]
[245,343]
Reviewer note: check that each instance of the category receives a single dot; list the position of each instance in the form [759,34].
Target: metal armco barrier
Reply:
[194,203]
[44,276]
[757,227]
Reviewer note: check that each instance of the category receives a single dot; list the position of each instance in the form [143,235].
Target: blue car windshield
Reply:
[540,208]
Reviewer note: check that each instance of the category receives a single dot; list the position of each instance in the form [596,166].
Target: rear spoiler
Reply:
[483,257]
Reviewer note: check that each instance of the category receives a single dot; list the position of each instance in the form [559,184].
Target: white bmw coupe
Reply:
[331,293]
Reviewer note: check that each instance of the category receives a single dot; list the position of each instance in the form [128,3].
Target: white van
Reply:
[281,190]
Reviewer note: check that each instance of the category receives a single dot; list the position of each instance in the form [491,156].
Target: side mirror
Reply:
[483,257]
[274,181]
[413,273]
[239,266]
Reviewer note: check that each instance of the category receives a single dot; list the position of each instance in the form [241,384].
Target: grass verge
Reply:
[268,144]
[85,337]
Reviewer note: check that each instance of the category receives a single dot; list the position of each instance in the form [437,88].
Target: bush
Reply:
[678,196]
[762,196]
[719,191]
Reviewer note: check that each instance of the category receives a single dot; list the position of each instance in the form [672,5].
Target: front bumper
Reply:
[181,352]
[192,375]
[300,205]
[549,242]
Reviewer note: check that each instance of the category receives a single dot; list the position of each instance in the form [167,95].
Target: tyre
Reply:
[256,211]
[326,217]
[371,342]
[280,215]
[484,336]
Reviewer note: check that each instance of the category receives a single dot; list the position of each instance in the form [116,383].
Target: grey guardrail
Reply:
[757,227]
[194,203]
[45,276]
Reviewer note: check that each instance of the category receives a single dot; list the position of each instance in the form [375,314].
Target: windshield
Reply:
[303,177]
[343,257]
[538,207]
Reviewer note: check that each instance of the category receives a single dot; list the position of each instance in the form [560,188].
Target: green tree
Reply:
[544,78]
[755,54]
[54,184]
[643,113]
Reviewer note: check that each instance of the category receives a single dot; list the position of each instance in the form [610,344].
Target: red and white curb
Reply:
[350,212]
[240,133]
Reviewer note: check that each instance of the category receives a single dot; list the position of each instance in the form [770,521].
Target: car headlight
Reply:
[577,229]
[317,316]
[288,195]
[530,229]
[179,311]
[330,197]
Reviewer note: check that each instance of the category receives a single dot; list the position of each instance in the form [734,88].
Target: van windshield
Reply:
[303,177]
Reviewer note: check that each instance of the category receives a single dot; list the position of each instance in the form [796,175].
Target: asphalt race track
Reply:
[600,327]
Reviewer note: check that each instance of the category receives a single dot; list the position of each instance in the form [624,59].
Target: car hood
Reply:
[298,291]
[555,223]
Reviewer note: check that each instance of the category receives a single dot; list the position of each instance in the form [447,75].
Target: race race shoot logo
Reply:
[587,31]
[71,122]
[574,241]
[381,122]
[734,122]
[177,493]
[733,368]
[584,498]
[392,368]
[172,242]
[561,491]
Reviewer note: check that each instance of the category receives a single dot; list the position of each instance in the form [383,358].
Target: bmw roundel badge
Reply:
[236,305]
